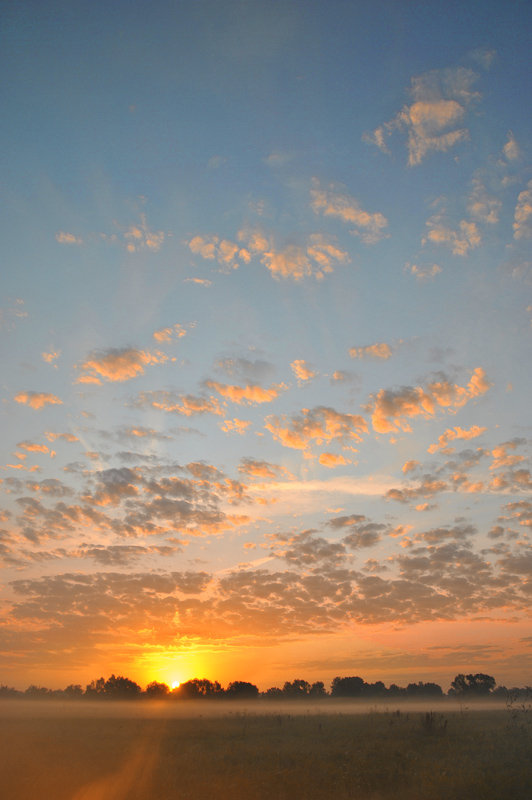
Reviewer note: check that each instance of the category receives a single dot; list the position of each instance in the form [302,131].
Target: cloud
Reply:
[67,238]
[410,466]
[523,214]
[332,202]
[501,456]
[460,241]
[302,371]
[380,350]
[53,355]
[441,98]
[251,371]
[319,425]
[456,433]
[235,425]
[224,251]
[67,437]
[168,334]
[263,470]
[344,376]
[13,312]
[37,400]
[172,402]
[482,206]
[32,447]
[118,364]
[139,236]
[511,149]
[331,460]
[423,273]
[484,56]
[250,394]
[390,409]
[318,256]
[200,281]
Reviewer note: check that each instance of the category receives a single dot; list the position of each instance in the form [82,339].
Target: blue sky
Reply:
[265,328]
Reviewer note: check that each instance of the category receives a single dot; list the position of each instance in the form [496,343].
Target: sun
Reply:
[176,684]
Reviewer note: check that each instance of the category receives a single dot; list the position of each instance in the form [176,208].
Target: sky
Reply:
[266,333]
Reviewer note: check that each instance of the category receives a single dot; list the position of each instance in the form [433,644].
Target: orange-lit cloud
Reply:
[318,256]
[319,425]
[67,437]
[67,238]
[482,206]
[169,334]
[186,404]
[139,236]
[511,149]
[249,395]
[52,356]
[391,409]
[423,273]
[332,202]
[235,425]
[456,433]
[37,400]
[501,456]
[380,350]
[118,364]
[523,214]
[460,241]
[440,99]
[331,460]
[302,371]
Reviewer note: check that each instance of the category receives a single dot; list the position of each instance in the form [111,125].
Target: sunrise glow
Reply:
[266,340]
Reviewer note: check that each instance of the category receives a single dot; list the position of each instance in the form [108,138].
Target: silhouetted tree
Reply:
[95,689]
[396,691]
[274,693]
[242,690]
[347,687]
[198,688]
[9,693]
[119,688]
[155,690]
[424,690]
[37,692]
[479,685]
[317,690]
[297,689]
[73,692]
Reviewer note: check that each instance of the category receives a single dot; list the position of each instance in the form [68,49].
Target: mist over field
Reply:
[240,751]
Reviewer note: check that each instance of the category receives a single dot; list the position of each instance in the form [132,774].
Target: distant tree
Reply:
[377,689]
[198,688]
[297,689]
[37,692]
[9,693]
[347,687]
[73,692]
[274,693]
[120,688]
[242,690]
[155,690]
[317,690]
[479,685]
[95,689]
[396,691]
[424,690]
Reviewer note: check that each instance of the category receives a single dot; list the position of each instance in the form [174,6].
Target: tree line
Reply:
[118,687]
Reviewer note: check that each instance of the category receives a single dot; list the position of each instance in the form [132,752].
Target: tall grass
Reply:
[94,755]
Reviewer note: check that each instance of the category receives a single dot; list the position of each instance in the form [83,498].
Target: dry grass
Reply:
[96,753]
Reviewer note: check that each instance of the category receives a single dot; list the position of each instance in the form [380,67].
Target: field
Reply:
[57,751]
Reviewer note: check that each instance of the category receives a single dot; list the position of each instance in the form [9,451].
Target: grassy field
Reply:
[53,751]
